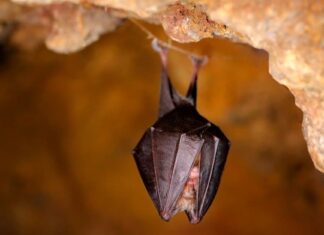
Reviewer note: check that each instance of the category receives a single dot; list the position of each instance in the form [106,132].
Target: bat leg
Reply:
[192,91]
[169,97]
[163,52]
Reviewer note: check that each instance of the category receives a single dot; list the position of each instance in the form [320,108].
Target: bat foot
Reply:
[163,51]
[158,47]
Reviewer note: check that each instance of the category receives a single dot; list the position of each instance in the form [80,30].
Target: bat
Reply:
[182,156]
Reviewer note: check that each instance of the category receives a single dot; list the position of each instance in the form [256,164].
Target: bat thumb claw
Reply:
[166,216]
[194,220]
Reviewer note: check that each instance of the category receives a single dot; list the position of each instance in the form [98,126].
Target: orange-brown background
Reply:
[68,124]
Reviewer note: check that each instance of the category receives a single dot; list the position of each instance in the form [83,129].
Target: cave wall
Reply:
[69,122]
[292,34]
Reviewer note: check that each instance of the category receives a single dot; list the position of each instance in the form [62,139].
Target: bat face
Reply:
[182,156]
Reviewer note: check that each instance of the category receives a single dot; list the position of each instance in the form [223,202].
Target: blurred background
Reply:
[68,124]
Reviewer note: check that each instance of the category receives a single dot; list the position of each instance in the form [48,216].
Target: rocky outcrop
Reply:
[292,33]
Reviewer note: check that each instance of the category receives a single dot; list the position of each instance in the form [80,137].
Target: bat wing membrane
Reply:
[173,157]
[213,158]
[188,151]
[144,161]
[164,148]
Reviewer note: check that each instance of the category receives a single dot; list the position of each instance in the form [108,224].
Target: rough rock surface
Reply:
[292,33]
[66,27]
[75,27]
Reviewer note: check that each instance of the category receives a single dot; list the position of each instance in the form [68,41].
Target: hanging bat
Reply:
[182,156]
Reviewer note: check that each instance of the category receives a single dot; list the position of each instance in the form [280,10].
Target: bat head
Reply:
[182,155]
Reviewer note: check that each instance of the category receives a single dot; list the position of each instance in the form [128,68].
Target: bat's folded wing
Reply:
[174,155]
[144,161]
[212,161]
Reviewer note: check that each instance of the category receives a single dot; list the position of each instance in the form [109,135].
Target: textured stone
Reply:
[292,33]
[67,27]
[190,23]
[75,27]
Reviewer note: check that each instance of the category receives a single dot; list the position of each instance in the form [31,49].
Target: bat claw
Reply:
[194,220]
[166,216]
[158,47]
[162,50]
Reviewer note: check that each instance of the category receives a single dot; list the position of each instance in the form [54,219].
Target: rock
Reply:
[75,27]
[292,34]
[69,27]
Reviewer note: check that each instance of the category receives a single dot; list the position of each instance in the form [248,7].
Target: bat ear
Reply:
[169,97]
[192,91]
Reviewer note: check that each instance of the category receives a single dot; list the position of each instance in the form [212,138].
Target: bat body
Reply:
[182,156]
